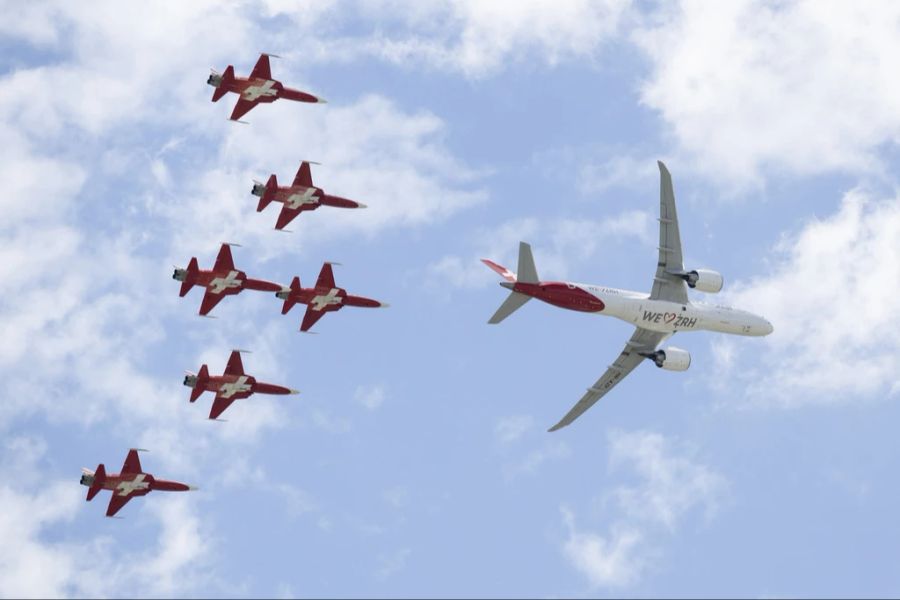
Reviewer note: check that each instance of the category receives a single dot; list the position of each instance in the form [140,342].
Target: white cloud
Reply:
[557,245]
[671,483]
[536,458]
[475,38]
[804,86]
[510,429]
[832,292]
[370,396]
[615,560]
[393,161]
[390,564]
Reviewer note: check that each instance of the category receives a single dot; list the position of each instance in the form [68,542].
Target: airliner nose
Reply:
[767,328]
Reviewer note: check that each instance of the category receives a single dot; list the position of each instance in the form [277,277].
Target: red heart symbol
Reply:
[669,317]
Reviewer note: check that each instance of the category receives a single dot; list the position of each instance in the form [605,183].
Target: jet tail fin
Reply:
[224,84]
[268,194]
[99,480]
[190,276]
[291,299]
[512,303]
[202,378]
[527,270]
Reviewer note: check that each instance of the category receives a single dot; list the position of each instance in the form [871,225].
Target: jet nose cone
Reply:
[767,328]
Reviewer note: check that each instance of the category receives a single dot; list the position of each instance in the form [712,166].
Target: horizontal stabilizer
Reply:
[512,303]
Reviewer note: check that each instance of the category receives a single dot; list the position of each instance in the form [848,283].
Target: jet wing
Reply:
[210,299]
[132,463]
[219,405]
[262,69]
[309,319]
[667,286]
[326,277]
[234,366]
[287,215]
[224,262]
[242,107]
[643,340]
[304,176]
[116,503]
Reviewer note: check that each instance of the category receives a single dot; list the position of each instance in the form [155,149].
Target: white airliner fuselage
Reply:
[670,317]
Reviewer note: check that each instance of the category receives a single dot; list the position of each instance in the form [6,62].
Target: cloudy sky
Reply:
[416,460]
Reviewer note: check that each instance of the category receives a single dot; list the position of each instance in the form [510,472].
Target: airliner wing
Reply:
[667,286]
[643,340]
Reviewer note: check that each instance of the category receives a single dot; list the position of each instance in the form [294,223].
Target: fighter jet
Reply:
[299,196]
[324,297]
[131,482]
[657,316]
[232,385]
[223,280]
[259,87]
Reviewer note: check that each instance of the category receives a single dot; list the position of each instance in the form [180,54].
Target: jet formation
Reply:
[224,279]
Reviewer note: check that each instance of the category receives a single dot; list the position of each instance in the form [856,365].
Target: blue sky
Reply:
[416,461]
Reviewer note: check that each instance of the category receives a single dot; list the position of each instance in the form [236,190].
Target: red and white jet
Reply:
[256,89]
[657,316]
[232,385]
[128,484]
[222,280]
[324,297]
[299,196]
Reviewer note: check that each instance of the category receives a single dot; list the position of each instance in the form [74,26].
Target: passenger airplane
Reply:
[658,316]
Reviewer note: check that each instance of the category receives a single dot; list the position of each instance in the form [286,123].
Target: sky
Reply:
[416,460]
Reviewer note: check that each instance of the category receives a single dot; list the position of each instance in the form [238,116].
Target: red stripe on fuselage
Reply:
[564,295]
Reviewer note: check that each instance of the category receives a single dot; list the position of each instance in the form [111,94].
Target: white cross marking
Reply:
[127,487]
[296,200]
[218,285]
[255,91]
[227,390]
[320,302]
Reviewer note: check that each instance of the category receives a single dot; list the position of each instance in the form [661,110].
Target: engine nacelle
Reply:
[705,280]
[87,478]
[258,189]
[214,80]
[671,358]
[190,381]
[179,274]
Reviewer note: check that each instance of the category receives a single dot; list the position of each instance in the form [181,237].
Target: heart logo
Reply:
[669,317]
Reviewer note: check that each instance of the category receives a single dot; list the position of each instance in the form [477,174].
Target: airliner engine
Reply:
[671,358]
[705,280]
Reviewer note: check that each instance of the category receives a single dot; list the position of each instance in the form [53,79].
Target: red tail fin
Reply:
[99,480]
[291,300]
[202,378]
[269,194]
[190,276]
[224,84]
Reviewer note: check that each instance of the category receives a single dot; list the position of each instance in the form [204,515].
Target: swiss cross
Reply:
[227,390]
[255,91]
[127,487]
[320,302]
[219,284]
